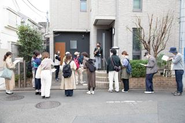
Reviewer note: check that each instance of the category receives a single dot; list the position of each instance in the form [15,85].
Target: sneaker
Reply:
[110,91]
[177,94]
[148,92]
[92,92]
[152,92]
[124,91]
[117,91]
[88,92]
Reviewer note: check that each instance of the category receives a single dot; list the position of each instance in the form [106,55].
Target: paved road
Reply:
[103,107]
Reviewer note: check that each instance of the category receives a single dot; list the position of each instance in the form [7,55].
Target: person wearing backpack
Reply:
[79,71]
[68,77]
[125,74]
[113,68]
[57,64]
[91,73]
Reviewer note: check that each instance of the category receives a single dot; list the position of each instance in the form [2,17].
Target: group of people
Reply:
[72,68]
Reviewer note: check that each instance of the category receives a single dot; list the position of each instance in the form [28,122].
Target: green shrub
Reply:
[161,63]
[137,69]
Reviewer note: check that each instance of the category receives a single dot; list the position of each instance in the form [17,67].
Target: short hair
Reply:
[85,54]
[124,53]
[45,55]
[113,51]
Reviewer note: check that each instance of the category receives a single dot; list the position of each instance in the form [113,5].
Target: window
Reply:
[73,44]
[137,5]
[136,50]
[83,5]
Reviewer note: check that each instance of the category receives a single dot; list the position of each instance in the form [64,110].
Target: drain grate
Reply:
[47,105]
[13,97]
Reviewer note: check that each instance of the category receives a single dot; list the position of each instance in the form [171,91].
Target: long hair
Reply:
[6,55]
[68,57]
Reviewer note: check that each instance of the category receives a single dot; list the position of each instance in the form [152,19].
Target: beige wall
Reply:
[66,15]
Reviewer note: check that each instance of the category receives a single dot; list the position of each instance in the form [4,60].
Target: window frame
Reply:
[138,10]
[81,5]
[76,45]
[136,52]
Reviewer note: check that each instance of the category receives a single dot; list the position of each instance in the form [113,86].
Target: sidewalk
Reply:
[103,107]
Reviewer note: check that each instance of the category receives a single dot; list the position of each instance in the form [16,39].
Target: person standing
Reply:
[46,75]
[151,69]
[33,70]
[36,64]
[98,54]
[79,71]
[68,84]
[57,64]
[124,74]
[178,66]
[9,83]
[113,67]
[91,74]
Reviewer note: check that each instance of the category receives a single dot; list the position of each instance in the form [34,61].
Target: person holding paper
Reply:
[151,69]
[46,75]
[10,83]
[178,66]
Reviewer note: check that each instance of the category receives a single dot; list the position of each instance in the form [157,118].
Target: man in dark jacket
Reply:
[113,67]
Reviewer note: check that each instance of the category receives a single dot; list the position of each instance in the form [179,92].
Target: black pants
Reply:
[57,71]
[126,84]
[37,82]
[69,93]
[149,82]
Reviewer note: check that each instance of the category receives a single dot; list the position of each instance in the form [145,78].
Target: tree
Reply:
[155,37]
[29,40]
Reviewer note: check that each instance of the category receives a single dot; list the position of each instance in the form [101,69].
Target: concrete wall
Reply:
[66,15]
[157,7]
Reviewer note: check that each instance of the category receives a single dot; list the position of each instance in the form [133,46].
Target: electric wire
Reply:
[35,7]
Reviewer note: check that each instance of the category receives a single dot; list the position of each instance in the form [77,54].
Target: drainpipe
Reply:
[182,32]
[116,24]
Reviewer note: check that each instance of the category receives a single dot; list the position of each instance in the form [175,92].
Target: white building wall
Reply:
[158,8]
[66,15]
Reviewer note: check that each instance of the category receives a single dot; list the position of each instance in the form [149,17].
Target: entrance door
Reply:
[60,47]
[104,36]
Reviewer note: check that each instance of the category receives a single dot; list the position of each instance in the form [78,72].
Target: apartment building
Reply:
[77,25]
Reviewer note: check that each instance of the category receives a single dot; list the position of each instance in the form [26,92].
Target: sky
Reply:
[27,9]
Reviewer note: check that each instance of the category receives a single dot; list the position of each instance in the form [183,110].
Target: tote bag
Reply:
[38,72]
[6,73]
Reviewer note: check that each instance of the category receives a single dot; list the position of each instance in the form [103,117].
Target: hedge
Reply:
[137,69]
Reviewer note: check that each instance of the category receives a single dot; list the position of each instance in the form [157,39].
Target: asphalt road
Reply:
[103,107]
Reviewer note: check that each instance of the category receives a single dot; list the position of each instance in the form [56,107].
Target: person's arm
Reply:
[58,58]
[10,64]
[124,62]
[108,63]
[176,59]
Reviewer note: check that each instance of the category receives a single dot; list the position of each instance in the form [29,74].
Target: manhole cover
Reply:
[13,97]
[48,105]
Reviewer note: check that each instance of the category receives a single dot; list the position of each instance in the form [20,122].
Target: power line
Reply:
[17,5]
[35,7]
[32,9]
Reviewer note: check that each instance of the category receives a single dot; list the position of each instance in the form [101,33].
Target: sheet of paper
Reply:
[142,64]
[16,61]
[53,70]
[165,58]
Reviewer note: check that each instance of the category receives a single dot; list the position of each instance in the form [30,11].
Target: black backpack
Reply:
[67,72]
[90,65]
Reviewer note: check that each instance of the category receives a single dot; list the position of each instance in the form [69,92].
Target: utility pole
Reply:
[182,32]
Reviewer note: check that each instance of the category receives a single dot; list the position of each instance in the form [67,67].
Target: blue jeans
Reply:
[178,77]
[149,82]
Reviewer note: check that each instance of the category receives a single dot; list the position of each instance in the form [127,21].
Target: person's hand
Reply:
[170,58]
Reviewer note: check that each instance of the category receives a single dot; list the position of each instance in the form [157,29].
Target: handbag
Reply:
[116,68]
[38,72]
[6,73]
